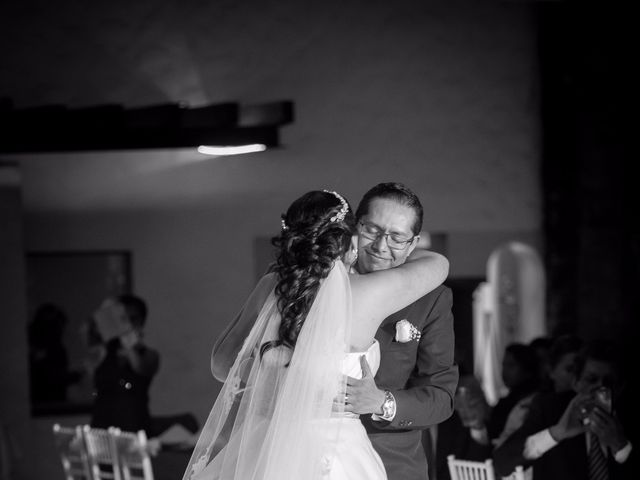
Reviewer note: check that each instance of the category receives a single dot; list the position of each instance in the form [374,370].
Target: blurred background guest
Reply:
[563,354]
[50,375]
[126,365]
[575,434]
[557,375]
[542,347]
[520,374]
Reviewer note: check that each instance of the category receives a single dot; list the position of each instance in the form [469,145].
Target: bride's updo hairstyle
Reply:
[316,232]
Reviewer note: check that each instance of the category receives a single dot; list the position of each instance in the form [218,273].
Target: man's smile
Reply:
[377,257]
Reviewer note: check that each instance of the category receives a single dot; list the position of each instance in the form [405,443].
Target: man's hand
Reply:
[470,403]
[130,339]
[363,396]
[570,424]
[143,361]
[607,428]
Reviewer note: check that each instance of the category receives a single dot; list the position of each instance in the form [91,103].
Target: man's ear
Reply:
[354,241]
[424,241]
[413,244]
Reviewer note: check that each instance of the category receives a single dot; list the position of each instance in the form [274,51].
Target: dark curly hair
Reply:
[306,250]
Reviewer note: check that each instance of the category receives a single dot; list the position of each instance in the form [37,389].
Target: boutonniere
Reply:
[405,332]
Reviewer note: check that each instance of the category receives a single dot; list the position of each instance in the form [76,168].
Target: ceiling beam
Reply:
[55,128]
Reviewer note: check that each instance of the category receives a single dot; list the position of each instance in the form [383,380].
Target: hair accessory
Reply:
[284,224]
[338,217]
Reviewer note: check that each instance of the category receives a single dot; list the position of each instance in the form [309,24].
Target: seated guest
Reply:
[542,347]
[520,375]
[562,362]
[560,375]
[467,434]
[451,437]
[50,375]
[567,434]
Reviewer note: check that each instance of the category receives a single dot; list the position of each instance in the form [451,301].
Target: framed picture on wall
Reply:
[63,291]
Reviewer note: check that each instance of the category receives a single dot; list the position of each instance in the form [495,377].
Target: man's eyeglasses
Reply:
[373,232]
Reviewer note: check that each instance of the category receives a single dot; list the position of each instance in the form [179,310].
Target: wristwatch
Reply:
[388,406]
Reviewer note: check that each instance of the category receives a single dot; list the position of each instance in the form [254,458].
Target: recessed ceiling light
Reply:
[231,150]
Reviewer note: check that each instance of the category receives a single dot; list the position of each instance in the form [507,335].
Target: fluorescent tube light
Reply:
[231,150]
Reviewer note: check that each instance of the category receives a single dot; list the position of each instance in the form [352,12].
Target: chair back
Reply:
[102,453]
[470,470]
[133,455]
[71,448]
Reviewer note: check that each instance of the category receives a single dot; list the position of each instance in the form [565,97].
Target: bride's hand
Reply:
[363,396]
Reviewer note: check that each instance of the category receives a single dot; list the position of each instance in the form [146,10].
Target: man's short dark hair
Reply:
[393,191]
[563,345]
[599,350]
[135,304]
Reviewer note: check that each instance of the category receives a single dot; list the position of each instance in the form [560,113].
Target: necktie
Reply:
[597,461]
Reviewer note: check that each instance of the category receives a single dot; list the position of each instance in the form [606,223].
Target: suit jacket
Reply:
[566,461]
[422,377]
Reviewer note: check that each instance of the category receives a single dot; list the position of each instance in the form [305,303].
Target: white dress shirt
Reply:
[540,443]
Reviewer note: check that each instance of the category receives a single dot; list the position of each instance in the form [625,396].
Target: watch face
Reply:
[388,404]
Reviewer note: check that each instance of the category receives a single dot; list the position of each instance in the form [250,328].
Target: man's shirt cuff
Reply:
[622,454]
[538,444]
[480,435]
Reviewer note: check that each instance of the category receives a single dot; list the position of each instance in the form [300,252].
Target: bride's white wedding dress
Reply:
[353,456]
[280,416]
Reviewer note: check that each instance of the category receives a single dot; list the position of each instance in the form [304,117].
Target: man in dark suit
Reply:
[570,434]
[416,381]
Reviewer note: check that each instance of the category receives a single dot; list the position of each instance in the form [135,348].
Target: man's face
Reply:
[385,216]
[595,374]
[512,372]
[134,318]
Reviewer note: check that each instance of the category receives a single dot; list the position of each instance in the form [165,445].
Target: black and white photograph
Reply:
[338,240]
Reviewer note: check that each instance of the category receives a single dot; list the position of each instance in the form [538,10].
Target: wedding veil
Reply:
[267,422]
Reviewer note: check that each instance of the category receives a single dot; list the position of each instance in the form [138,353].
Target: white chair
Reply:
[133,455]
[460,469]
[69,442]
[102,453]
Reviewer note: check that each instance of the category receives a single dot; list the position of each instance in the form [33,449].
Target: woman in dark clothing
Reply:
[520,375]
[50,374]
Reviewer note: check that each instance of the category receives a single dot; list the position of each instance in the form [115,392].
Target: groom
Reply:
[415,383]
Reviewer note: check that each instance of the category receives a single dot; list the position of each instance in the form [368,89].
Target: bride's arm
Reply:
[378,294]
[230,342]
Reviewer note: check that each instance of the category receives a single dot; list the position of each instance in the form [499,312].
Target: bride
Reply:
[285,359]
